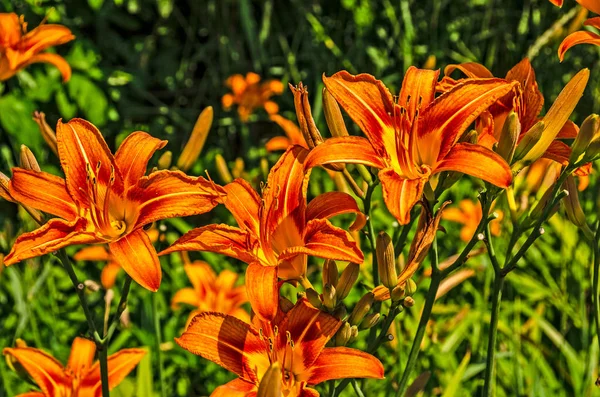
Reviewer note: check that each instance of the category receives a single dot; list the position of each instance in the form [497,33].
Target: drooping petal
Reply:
[442,123]
[93,253]
[228,342]
[120,365]
[243,202]
[133,155]
[532,98]
[348,149]
[188,296]
[84,153]
[576,38]
[275,144]
[262,290]
[42,191]
[54,59]
[329,204]
[222,239]
[470,69]
[592,5]
[45,36]
[109,274]
[344,362]
[310,329]
[170,194]
[418,89]
[45,370]
[81,357]
[236,388]
[369,103]
[400,194]
[291,130]
[136,255]
[477,161]
[559,152]
[52,236]
[201,276]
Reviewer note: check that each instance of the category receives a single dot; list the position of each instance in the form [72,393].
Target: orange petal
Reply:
[559,152]
[109,274]
[93,253]
[532,98]
[575,38]
[136,255]
[308,392]
[226,280]
[443,122]
[262,290]
[470,69]
[81,357]
[170,194]
[558,114]
[276,144]
[45,370]
[344,362]
[81,147]
[243,202]
[235,388]
[329,204]
[227,341]
[291,130]
[188,296]
[592,5]
[368,102]
[310,329]
[558,3]
[222,239]
[568,131]
[400,194]
[32,394]
[52,236]
[120,365]
[133,155]
[477,161]
[201,275]
[348,149]
[418,89]
[54,59]
[45,36]
[42,191]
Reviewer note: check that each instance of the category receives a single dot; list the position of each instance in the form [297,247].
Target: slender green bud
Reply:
[270,384]
[329,297]
[223,169]
[330,272]
[573,208]
[347,280]
[353,334]
[370,321]
[333,115]
[28,160]
[164,161]
[509,137]
[386,261]
[410,288]
[362,308]
[313,298]
[587,132]
[343,335]
[529,140]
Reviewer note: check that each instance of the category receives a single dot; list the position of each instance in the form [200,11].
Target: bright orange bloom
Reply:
[279,229]
[250,94]
[415,138]
[583,36]
[527,104]
[212,293]
[19,49]
[295,340]
[107,199]
[81,377]
[469,214]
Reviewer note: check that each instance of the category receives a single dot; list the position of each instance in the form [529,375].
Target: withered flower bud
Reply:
[47,132]
[370,321]
[330,272]
[313,298]
[270,384]
[329,297]
[362,308]
[343,335]
[509,137]
[347,280]
[386,261]
[194,146]
[28,160]
[223,169]
[164,161]
[333,115]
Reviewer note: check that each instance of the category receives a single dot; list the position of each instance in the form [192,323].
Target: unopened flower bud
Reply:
[410,287]
[469,137]
[223,169]
[238,167]
[370,321]
[397,293]
[347,280]
[14,364]
[333,115]
[329,297]
[538,210]
[529,140]
[340,312]
[573,208]
[362,308]
[4,192]
[589,128]
[270,384]
[353,334]
[47,132]
[28,160]
[343,335]
[330,272]
[164,161]
[313,298]
[194,145]
[408,302]
[509,137]
[386,261]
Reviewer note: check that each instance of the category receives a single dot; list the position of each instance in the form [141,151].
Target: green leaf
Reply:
[15,118]
[455,381]
[89,98]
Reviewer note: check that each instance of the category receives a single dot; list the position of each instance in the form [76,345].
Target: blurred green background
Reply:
[153,65]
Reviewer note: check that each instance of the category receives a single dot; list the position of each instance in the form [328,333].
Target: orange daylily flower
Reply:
[19,48]
[417,137]
[107,199]
[527,104]
[81,376]
[583,36]
[295,341]
[469,214]
[250,94]
[279,230]
[212,293]
[101,253]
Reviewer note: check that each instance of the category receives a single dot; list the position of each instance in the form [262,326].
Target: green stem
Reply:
[595,297]
[158,335]
[120,309]
[103,357]
[357,389]
[493,333]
